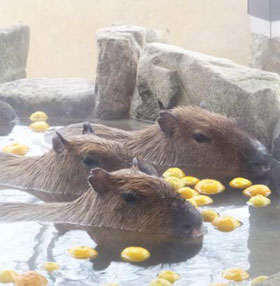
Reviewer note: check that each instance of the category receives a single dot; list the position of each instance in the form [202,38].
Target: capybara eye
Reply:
[91,161]
[200,138]
[130,197]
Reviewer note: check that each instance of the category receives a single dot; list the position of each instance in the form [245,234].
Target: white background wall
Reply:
[63,31]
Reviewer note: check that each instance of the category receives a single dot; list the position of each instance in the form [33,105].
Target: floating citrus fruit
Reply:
[257,190]
[258,279]
[160,282]
[83,252]
[174,172]
[38,116]
[209,187]
[169,276]
[39,126]
[209,215]
[31,278]
[187,192]
[259,201]
[235,274]
[135,254]
[190,181]
[50,266]
[7,276]
[16,148]
[240,183]
[226,223]
[174,182]
[202,200]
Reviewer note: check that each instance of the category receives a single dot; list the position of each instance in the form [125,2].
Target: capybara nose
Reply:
[260,162]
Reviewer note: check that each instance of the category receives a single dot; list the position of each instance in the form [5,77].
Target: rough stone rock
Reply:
[8,118]
[119,49]
[274,280]
[59,98]
[152,35]
[14,46]
[157,88]
[276,141]
[250,96]
[265,53]
[157,35]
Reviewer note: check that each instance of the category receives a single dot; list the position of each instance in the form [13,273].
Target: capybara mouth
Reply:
[261,172]
[194,233]
[197,232]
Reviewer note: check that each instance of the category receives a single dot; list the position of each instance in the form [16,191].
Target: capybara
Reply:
[8,118]
[194,139]
[125,199]
[61,174]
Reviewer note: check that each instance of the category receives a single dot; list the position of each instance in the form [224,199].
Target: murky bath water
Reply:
[254,246]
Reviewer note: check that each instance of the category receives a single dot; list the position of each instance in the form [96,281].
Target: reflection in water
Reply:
[264,231]
[47,242]
[110,243]
[254,246]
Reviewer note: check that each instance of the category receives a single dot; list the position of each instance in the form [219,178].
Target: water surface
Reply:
[26,245]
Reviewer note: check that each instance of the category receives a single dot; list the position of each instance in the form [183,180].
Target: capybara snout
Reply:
[256,159]
[139,202]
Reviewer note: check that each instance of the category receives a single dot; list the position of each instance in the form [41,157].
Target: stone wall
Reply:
[274,280]
[137,76]
[119,51]
[265,53]
[14,46]
[64,99]
[168,75]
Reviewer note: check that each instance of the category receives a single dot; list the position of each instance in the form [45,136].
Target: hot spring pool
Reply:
[26,245]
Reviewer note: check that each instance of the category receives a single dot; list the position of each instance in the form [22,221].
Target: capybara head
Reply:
[94,152]
[76,156]
[131,200]
[8,118]
[90,152]
[206,140]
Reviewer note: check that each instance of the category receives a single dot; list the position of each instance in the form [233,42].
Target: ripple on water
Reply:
[254,246]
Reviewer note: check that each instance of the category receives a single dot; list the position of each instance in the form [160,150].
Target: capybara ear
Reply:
[144,167]
[135,163]
[100,179]
[59,143]
[167,123]
[87,128]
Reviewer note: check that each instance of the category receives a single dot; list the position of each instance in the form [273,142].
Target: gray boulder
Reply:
[8,118]
[119,49]
[250,96]
[157,35]
[157,88]
[265,53]
[14,46]
[65,99]
[274,280]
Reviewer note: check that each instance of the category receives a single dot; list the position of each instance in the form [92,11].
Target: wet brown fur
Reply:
[226,153]
[61,176]
[159,209]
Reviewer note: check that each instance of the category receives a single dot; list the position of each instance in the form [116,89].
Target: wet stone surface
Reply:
[64,97]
